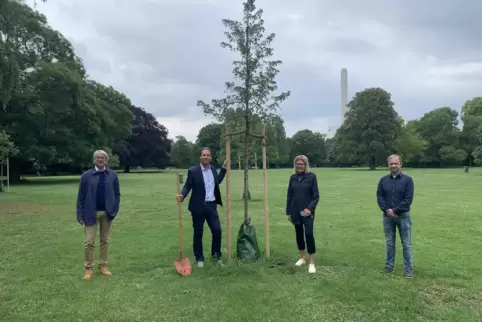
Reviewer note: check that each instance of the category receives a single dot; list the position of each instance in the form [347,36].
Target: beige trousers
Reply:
[89,233]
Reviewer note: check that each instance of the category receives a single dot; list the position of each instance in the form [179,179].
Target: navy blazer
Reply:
[86,196]
[195,182]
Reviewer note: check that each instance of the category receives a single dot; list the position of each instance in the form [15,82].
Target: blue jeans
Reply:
[404,224]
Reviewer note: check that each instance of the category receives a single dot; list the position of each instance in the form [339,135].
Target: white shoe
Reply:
[300,262]
[311,268]
[200,264]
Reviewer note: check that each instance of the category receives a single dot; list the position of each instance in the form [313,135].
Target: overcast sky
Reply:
[165,54]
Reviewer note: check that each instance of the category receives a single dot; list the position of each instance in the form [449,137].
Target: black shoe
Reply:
[409,274]
[386,270]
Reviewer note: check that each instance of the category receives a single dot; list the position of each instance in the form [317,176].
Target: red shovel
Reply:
[183,266]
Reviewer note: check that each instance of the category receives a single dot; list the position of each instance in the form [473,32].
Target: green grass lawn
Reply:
[42,255]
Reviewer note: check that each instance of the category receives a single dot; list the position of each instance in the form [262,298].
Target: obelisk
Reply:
[344,93]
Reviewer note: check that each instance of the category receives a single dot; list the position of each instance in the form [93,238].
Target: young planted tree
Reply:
[255,75]
[254,79]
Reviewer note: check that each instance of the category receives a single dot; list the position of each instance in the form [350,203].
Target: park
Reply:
[54,115]
[42,254]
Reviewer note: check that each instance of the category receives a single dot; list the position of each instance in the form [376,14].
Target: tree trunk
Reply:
[246,167]
[127,169]
[15,174]
[372,163]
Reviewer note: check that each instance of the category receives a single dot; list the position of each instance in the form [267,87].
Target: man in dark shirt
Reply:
[394,198]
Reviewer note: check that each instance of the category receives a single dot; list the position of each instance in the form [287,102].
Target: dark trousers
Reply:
[305,230]
[209,214]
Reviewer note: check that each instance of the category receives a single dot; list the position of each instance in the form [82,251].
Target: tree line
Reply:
[53,115]
[281,149]
[372,130]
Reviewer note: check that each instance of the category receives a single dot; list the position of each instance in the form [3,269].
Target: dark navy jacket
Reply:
[302,193]
[395,193]
[195,182]
[87,195]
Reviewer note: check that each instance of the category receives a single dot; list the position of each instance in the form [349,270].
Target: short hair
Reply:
[305,161]
[206,148]
[394,156]
[106,155]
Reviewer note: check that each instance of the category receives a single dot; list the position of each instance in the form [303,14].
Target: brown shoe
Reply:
[88,274]
[104,270]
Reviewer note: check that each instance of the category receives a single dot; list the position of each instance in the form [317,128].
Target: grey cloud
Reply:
[349,45]
[166,55]
[443,28]
[91,62]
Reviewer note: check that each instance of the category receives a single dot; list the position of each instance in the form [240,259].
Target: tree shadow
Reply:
[39,181]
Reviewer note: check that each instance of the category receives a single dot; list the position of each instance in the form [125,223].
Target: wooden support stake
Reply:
[228,192]
[265,183]
[8,174]
[257,175]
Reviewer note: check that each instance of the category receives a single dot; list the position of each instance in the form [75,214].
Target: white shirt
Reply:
[208,177]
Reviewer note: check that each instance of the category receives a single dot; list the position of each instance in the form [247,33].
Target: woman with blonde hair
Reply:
[302,199]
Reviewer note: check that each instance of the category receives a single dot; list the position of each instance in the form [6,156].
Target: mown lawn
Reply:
[42,255]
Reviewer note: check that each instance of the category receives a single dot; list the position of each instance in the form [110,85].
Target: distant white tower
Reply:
[344,93]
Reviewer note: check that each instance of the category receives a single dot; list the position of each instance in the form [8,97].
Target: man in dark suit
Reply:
[204,182]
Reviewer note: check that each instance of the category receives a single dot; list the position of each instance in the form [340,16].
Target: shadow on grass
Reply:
[150,171]
[46,181]
[73,178]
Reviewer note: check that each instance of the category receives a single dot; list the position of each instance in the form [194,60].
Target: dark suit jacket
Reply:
[302,194]
[195,182]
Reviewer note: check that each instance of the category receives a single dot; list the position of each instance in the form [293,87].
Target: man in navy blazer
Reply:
[204,182]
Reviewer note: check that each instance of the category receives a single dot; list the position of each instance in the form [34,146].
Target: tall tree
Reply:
[409,143]
[181,152]
[277,141]
[471,136]
[210,136]
[439,128]
[311,144]
[7,149]
[370,129]
[254,74]
[147,146]
[50,110]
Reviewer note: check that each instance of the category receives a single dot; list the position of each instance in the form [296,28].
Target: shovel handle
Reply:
[179,212]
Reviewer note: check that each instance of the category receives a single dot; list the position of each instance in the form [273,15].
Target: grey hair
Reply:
[106,155]
[305,161]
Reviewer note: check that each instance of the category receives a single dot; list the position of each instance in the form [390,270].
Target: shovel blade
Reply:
[183,266]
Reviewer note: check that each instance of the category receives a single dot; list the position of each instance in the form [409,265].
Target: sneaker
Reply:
[386,270]
[200,264]
[408,274]
[300,262]
[311,269]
